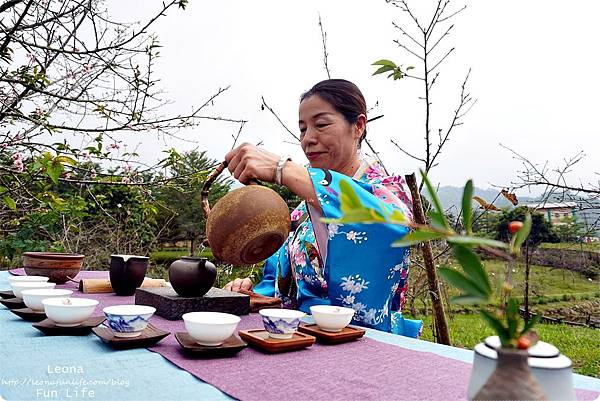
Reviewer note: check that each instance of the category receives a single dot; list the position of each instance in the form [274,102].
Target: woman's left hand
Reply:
[247,162]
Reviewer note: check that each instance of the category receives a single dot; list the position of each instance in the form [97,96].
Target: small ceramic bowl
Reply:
[27,279]
[69,312]
[25,285]
[210,329]
[33,298]
[281,323]
[331,318]
[128,320]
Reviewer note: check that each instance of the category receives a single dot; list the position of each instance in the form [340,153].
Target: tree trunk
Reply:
[443,336]
[527,262]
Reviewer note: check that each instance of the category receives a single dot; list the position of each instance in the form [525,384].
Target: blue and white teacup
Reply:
[281,323]
[128,320]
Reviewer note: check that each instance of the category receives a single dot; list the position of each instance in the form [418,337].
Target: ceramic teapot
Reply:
[247,225]
[192,276]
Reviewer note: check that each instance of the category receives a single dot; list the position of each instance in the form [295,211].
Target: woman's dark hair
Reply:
[343,96]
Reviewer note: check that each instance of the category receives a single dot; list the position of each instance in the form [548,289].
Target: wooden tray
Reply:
[29,315]
[260,339]
[348,333]
[7,294]
[150,336]
[49,327]
[13,303]
[230,347]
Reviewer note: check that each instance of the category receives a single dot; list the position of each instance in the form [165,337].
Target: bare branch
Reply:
[407,153]
[279,119]
[325,54]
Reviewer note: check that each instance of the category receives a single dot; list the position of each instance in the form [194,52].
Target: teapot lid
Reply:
[540,350]
[557,362]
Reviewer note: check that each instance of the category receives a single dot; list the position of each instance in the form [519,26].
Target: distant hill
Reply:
[452,196]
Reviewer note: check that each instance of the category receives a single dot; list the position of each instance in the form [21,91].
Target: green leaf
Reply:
[529,325]
[467,210]
[349,198]
[435,200]
[358,216]
[473,268]
[475,241]
[460,281]
[383,69]
[385,62]
[65,160]
[53,170]
[10,202]
[497,325]
[467,300]
[437,219]
[523,233]
[397,217]
[416,237]
[512,317]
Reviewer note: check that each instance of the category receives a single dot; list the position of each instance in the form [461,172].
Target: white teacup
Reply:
[331,318]
[69,312]
[19,286]
[33,298]
[210,328]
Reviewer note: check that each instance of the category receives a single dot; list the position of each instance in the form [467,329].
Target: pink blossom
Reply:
[85,154]
[126,180]
[127,168]
[17,156]
[18,165]
[3,145]
[93,174]
[113,146]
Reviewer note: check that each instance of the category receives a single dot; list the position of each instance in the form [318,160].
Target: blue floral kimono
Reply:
[351,265]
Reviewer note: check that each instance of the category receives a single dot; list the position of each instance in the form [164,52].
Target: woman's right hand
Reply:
[239,284]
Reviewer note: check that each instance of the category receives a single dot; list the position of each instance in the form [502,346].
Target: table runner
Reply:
[363,369]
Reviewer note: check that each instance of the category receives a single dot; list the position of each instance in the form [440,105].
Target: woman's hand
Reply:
[247,162]
[239,284]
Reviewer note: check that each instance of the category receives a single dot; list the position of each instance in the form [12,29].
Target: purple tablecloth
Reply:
[363,369]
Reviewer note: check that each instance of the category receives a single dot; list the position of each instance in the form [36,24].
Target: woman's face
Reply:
[327,139]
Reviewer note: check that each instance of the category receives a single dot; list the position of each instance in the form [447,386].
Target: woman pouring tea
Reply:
[351,265]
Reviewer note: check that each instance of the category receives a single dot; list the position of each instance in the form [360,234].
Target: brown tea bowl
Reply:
[58,267]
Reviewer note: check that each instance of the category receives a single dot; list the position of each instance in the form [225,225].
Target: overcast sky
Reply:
[535,72]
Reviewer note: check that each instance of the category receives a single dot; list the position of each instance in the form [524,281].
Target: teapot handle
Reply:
[211,178]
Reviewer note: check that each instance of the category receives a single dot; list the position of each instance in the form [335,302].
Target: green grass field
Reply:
[578,343]
[594,246]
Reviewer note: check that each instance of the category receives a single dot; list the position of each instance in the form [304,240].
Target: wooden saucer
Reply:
[260,339]
[348,333]
[150,336]
[49,327]
[13,303]
[230,347]
[7,294]
[29,315]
